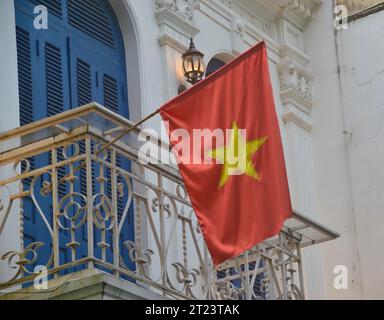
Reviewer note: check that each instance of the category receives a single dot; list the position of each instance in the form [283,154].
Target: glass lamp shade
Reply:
[193,64]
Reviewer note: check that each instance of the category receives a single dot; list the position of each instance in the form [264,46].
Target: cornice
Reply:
[185,9]
[246,28]
[279,22]
[299,12]
[259,22]
[177,22]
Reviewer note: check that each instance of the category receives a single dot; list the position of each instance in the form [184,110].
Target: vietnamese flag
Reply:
[238,203]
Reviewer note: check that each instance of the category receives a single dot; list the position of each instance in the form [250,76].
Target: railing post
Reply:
[21,217]
[162,229]
[300,267]
[114,201]
[247,286]
[88,159]
[283,267]
[101,179]
[55,214]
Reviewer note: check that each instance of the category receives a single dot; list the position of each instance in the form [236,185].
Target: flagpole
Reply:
[121,135]
[125,132]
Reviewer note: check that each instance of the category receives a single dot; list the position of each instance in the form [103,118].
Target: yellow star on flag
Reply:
[237,156]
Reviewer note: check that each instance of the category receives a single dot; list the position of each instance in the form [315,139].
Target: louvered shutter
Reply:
[24,62]
[111,95]
[89,17]
[25,75]
[55,97]
[79,59]
[54,80]
[84,82]
[84,86]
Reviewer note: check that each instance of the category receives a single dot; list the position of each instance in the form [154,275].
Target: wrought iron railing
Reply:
[79,209]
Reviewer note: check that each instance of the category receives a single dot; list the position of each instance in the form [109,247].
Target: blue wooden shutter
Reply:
[79,59]
[84,82]
[24,63]
[54,80]
[84,96]
[55,97]
[25,75]
[89,17]
[111,101]
[111,93]
[54,6]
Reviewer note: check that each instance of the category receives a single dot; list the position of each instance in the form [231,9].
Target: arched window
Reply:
[80,58]
[214,65]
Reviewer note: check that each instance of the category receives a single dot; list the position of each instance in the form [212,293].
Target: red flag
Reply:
[241,198]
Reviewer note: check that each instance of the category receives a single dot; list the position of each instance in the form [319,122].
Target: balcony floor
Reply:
[89,284]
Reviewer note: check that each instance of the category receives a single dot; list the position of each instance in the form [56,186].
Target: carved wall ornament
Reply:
[183,8]
[297,78]
[176,19]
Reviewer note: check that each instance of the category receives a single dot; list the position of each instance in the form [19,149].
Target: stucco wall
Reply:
[9,118]
[361,61]
[334,198]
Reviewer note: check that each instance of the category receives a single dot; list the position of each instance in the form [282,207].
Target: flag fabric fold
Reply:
[239,189]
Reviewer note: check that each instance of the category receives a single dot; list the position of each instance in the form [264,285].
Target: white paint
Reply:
[9,118]
[333,189]
[341,280]
[335,178]
[362,81]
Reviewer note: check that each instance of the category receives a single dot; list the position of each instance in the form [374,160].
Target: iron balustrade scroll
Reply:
[84,213]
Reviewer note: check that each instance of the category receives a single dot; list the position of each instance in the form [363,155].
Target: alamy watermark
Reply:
[341,17]
[340,282]
[201,146]
[41,280]
[41,20]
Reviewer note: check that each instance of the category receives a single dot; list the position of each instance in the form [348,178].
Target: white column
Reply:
[9,118]
[177,26]
[296,82]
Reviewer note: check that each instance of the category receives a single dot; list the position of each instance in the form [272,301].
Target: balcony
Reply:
[78,210]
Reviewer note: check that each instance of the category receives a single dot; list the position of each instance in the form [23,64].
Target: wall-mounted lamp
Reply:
[193,65]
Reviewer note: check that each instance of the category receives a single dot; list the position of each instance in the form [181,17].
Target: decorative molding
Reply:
[246,27]
[237,36]
[182,8]
[291,39]
[279,22]
[296,78]
[176,20]
[302,9]
[264,13]
[296,84]
[292,116]
[247,15]
[300,57]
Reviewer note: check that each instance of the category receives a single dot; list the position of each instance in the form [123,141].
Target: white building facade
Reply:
[326,85]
